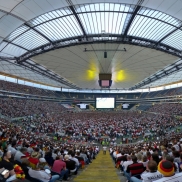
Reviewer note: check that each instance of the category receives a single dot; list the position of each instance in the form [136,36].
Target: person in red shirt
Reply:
[59,167]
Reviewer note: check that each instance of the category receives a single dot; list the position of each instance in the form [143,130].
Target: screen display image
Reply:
[125,106]
[105,103]
[105,83]
[82,106]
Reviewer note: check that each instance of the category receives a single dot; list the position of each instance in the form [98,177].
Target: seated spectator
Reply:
[59,167]
[43,164]
[176,166]
[43,175]
[6,164]
[70,164]
[167,169]
[145,161]
[155,157]
[134,169]
[149,175]
[127,163]
[33,159]
[12,148]
[20,154]
[49,159]
[25,167]
[4,177]
[78,165]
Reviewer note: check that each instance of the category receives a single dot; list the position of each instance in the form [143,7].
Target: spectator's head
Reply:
[13,144]
[66,157]
[152,166]
[35,155]
[144,159]
[129,158]
[139,157]
[23,150]
[166,168]
[164,155]
[176,154]
[72,154]
[134,159]
[6,155]
[60,157]
[155,158]
[25,161]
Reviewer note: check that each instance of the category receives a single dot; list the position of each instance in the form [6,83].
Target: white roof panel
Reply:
[7,24]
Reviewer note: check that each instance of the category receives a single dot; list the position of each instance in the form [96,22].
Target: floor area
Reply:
[101,169]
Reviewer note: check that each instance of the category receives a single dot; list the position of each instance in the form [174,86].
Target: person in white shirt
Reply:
[104,150]
[149,175]
[20,154]
[119,154]
[43,175]
[127,163]
[12,148]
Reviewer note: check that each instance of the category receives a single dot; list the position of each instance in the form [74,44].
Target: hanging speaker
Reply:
[105,54]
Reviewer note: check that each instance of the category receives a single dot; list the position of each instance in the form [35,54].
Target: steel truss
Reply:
[75,41]
[40,70]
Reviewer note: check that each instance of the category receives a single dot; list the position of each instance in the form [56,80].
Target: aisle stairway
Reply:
[100,170]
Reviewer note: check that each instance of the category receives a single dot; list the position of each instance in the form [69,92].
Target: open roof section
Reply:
[42,25]
[95,20]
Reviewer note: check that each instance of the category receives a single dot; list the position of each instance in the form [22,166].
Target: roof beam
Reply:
[77,18]
[136,9]
[131,40]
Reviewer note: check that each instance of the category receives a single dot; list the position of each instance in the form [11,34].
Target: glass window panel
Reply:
[174,40]
[116,7]
[50,15]
[30,40]
[102,8]
[107,15]
[149,28]
[92,7]
[97,7]
[102,19]
[111,7]
[87,8]
[13,50]
[60,28]
[107,7]
[81,8]
[107,22]
[126,8]
[160,15]
[17,32]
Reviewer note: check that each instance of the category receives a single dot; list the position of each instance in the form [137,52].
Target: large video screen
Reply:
[105,103]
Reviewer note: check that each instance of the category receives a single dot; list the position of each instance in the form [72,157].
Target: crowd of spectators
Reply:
[14,87]
[39,157]
[30,143]
[150,161]
[167,108]
[13,107]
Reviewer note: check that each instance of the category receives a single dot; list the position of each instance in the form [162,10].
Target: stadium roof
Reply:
[45,41]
